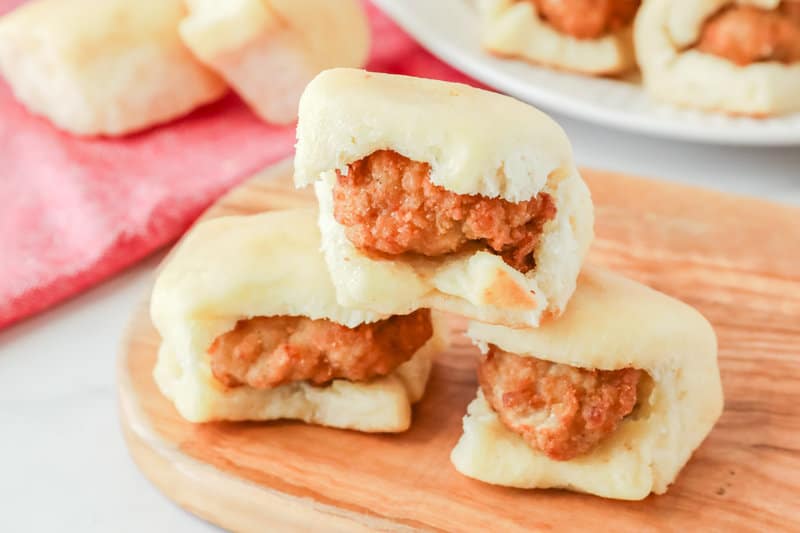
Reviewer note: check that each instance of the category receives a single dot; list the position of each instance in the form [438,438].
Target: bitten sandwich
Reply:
[251,330]
[610,399]
[106,67]
[587,36]
[268,50]
[440,195]
[736,56]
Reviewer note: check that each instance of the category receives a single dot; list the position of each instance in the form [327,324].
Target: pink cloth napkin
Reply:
[76,211]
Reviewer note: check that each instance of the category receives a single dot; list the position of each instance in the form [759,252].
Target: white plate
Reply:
[450,30]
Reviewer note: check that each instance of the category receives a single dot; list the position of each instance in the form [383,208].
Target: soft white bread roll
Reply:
[268,50]
[476,143]
[611,323]
[103,68]
[514,28]
[674,72]
[235,268]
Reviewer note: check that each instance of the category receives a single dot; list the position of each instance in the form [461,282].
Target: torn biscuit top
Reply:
[474,141]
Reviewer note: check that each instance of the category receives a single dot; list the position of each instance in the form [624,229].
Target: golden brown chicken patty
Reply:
[389,206]
[748,34]
[560,410]
[587,19]
[264,352]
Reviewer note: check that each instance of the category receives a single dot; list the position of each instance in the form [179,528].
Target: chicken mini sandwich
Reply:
[737,56]
[268,50]
[587,36]
[611,399]
[440,195]
[251,330]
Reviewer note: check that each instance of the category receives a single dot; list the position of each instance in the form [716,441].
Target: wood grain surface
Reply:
[735,259]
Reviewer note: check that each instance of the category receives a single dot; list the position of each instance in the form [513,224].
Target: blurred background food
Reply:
[553,55]
[268,51]
[118,66]
[722,55]
[73,62]
[109,67]
[78,209]
[719,55]
[585,36]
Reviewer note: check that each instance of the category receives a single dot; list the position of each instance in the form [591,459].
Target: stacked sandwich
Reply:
[437,197]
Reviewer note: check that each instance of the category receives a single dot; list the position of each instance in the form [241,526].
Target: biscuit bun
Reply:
[611,323]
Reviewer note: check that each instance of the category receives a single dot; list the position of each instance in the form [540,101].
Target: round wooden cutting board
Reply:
[689,243]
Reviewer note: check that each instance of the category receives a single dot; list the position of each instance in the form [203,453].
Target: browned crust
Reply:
[507,293]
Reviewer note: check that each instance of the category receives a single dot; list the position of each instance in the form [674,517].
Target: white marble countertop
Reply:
[63,463]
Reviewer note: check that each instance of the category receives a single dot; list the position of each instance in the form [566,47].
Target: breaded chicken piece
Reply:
[747,34]
[389,205]
[265,352]
[560,410]
[587,19]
